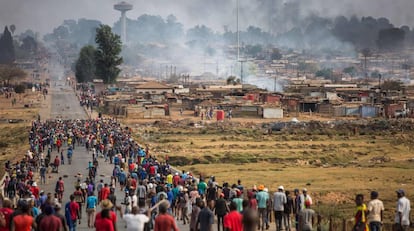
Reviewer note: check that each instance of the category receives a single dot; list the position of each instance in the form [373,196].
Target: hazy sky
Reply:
[44,15]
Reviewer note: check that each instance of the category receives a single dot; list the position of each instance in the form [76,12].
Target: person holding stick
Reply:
[164,221]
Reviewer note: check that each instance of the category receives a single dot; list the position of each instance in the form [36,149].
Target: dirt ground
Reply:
[334,164]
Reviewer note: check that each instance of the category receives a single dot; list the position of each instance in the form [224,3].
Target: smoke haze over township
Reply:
[44,15]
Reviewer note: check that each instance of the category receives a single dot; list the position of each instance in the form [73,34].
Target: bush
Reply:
[19,89]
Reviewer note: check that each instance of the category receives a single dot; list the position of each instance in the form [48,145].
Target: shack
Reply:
[272,113]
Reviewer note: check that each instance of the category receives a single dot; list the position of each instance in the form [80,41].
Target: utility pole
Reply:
[217,68]
[159,73]
[238,32]
[241,71]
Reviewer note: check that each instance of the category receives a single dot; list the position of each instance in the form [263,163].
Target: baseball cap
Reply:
[400,191]
[281,187]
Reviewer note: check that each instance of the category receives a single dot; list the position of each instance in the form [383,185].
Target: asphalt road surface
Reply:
[65,105]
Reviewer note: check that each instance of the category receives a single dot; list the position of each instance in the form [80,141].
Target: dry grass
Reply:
[333,166]
[13,136]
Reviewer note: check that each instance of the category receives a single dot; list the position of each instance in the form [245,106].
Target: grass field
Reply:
[334,164]
[13,136]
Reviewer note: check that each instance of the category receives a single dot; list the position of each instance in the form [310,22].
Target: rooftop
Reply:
[153,85]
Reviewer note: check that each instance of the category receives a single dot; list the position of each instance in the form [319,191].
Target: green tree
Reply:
[107,57]
[350,71]
[253,50]
[20,89]
[7,55]
[29,44]
[391,85]
[325,72]
[276,55]
[85,68]
[375,74]
[308,67]
[366,52]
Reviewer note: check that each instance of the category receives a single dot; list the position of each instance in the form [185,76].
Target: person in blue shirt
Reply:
[69,154]
[122,179]
[91,204]
[116,160]
[170,197]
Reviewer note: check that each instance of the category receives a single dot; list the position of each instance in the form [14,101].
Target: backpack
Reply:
[181,198]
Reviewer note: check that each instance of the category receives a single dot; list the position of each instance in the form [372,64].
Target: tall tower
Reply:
[123,7]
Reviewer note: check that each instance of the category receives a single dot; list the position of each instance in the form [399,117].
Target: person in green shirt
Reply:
[175,192]
[202,186]
[262,198]
[239,201]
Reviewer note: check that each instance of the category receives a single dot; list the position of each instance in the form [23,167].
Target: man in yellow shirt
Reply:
[169,178]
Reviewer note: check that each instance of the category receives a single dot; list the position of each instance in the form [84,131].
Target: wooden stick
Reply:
[158,204]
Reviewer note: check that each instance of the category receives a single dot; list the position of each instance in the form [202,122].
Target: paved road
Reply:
[65,105]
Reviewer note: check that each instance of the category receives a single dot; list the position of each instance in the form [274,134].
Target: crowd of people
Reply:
[155,196]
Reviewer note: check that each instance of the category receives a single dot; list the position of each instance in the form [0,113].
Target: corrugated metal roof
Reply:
[153,85]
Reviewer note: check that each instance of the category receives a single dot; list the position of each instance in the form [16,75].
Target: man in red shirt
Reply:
[176,179]
[233,220]
[6,211]
[74,211]
[79,199]
[105,191]
[133,185]
[58,144]
[35,190]
[60,188]
[164,221]
[56,163]
[50,222]
[107,204]
[131,167]
[152,171]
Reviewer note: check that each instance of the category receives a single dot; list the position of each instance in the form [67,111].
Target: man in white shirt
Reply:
[134,200]
[402,213]
[375,212]
[127,202]
[135,221]
[305,197]
[279,201]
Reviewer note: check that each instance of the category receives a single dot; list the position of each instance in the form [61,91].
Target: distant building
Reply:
[153,88]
